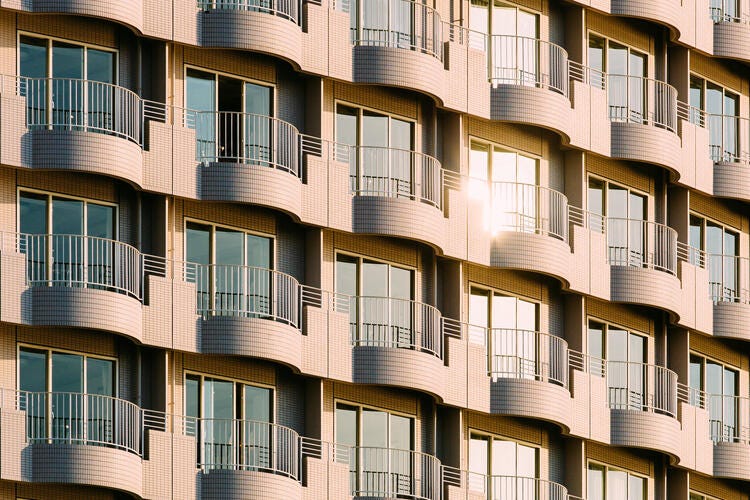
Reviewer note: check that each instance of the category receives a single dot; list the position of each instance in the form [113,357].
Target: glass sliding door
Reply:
[514,339]
[201,104]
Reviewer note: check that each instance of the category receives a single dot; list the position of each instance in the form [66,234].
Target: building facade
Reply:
[325,249]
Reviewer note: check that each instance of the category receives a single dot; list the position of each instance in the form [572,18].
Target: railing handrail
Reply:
[655,246]
[290,9]
[655,105]
[527,354]
[528,65]
[719,15]
[729,420]
[586,74]
[654,389]
[463,478]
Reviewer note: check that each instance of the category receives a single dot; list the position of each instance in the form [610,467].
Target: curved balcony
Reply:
[269,27]
[246,458]
[397,193]
[729,426]
[249,158]
[84,282]
[731,31]
[664,12]
[501,487]
[127,12]
[529,79]
[730,151]
[643,263]
[529,225]
[248,311]
[643,407]
[398,43]
[84,126]
[86,439]
[529,375]
[643,116]
[729,278]
[393,473]
[396,342]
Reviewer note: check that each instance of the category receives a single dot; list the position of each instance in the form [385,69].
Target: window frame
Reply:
[212,250]
[235,383]
[361,109]
[496,437]
[607,325]
[243,79]
[607,39]
[607,182]
[493,146]
[363,406]
[607,468]
[362,258]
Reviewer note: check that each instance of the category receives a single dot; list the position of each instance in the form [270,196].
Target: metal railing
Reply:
[515,487]
[518,60]
[587,219]
[401,24]
[587,363]
[245,291]
[251,445]
[689,113]
[82,261]
[728,11]
[640,243]
[728,416]
[588,75]
[392,322]
[729,138]
[524,354]
[394,473]
[642,387]
[635,99]
[462,35]
[85,105]
[287,9]
[728,278]
[87,419]
[234,137]
[392,172]
[526,208]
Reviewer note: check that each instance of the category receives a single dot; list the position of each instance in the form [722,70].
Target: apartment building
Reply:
[325,249]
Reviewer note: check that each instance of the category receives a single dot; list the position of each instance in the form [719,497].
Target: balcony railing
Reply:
[517,60]
[287,9]
[391,172]
[245,291]
[728,278]
[85,105]
[249,445]
[82,419]
[641,387]
[645,101]
[394,473]
[729,138]
[515,487]
[246,138]
[392,322]
[401,24]
[82,261]
[524,354]
[728,416]
[727,11]
[586,74]
[640,243]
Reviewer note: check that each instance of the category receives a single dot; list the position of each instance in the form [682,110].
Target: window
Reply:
[725,11]
[608,483]
[383,23]
[626,355]
[380,152]
[721,248]
[69,241]
[700,496]
[382,441]
[232,270]
[67,396]
[380,301]
[231,421]
[720,385]
[721,107]
[502,469]
[626,71]
[625,210]
[67,85]
[232,119]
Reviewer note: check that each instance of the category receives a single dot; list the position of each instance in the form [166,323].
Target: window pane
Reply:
[218,399]
[526,315]
[100,376]
[257,403]
[479,16]
[33,56]
[259,251]
[503,166]
[479,312]
[33,370]
[346,275]
[401,134]
[714,99]
[478,462]
[617,59]
[67,372]
[504,312]
[346,425]
[401,283]
[374,279]
[257,99]
[637,349]
[636,488]
[595,482]
[100,221]
[596,53]
[192,396]
[617,345]
[67,216]
[401,433]
[526,460]
[596,197]
[696,92]
[198,243]
[201,100]
[33,213]
[100,66]
[596,339]
[374,129]
[696,378]
[229,247]
[374,428]
[714,375]
[67,60]
[503,458]
[617,485]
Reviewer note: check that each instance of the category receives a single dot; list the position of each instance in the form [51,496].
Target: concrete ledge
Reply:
[248,485]
[87,308]
[644,143]
[663,12]
[731,320]
[252,184]
[732,40]
[649,287]
[532,399]
[398,217]
[252,337]
[532,252]
[253,31]
[648,430]
[732,180]
[393,366]
[732,460]
[89,152]
[532,106]
[90,465]
[127,12]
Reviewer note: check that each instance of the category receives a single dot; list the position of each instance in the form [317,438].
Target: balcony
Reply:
[393,473]
[643,407]
[729,427]
[267,26]
[529,228]
[395,342]
[396,192]
[248,158]
[643,116]
[731,31]
[528,374]
[397,43]
[529,79]
[246,459]
[462,484]
[730,151]
[88,439]
[248,311]
[643,263]
[73,125]
[664,12]
[729,279]
[127,12]
[76,281]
